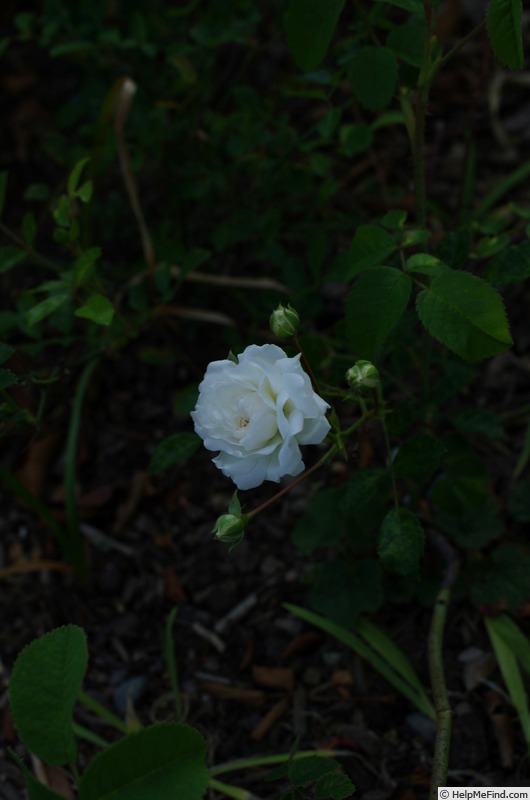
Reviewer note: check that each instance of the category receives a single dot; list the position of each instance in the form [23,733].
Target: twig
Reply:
[436,668]
[123,105]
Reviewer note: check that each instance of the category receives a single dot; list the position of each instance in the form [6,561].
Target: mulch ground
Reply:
[253,678]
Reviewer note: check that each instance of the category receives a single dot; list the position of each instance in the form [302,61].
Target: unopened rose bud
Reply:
[229,528]
[363,376]
[284,322]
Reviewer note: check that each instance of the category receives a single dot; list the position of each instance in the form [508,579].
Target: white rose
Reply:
[257,412]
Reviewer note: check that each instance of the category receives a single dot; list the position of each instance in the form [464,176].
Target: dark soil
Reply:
[240,654]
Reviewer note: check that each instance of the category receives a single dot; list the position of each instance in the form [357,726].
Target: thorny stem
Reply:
[380,409]
[307,366]
[436,668]
[332,450]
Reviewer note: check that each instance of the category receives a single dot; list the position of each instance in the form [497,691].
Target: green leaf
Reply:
[75,174]
[46,307]
[511,675]
[465,314]
[85,191]
[310,769]
[35,789]
[10,257]
[334,787]
[159,762]
[503,578]
[358,645]
[46,680]
[342,591]
[310,27]
[510,266]
[464,507]
[504,26]
[172,449]
[373,75]
[513,636]
[407,42]
[369,248]
[6,351]
[363,486]
[322,525]
[62,213]
[419,457]
[29,227]
[7,378]
[355,138]
[416,6]
[455,246]
[373,308]
[479,421]
[401,542]
[519,503]
[84,264]
[98,309]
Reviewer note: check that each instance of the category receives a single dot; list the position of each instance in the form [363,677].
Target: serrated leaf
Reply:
[401,542]
[10,257]
[363,486]
[342,591]
[44,686]
[479,421]
[374,306]
[310,769]
[370,246]
[373,74]
[407,42]
[503,578]
[334,787]
[159,762]
[510,266]
[7,378]
[310,27]
[466,511]
[419,457]
[171,450]
[504,26]
[321,525]
[455,246]
[465,314]
[519,503]
[98,309]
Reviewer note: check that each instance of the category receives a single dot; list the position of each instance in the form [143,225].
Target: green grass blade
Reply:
[503,187]
[36,506]
[169,652]
[75,539]
[348,638]
[511,675]
[381,643]
[513,637]
[231,791]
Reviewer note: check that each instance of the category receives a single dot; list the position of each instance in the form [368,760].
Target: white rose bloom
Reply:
[257,412]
